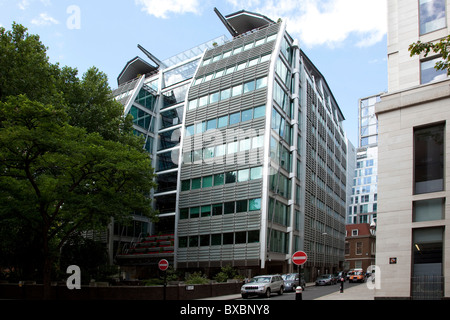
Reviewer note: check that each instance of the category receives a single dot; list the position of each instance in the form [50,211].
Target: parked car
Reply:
[325,279]
[292,281]
[263,286]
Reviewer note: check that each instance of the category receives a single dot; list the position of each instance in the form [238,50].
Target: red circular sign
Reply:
[299,258]
[163,265]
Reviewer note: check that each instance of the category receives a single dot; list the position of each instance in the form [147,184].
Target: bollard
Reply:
[298,293]
[342,285]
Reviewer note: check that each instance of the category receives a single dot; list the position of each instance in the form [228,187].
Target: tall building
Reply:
[249,150]
[412,220]
[363,203]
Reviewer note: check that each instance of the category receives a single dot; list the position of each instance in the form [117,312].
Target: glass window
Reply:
[428,73]
[241,206]
[194,212]
[219,73]
[230,70]
[228,238]
[190,131]
[235,118]
[216,239]
[217,209]
[244,145]
[196,183]
[200,127]
[240,237]
[237,50]
[249,86]
[232,147]
[427,210]
[222,122]
[427,251]
[226,54]
[432,15]
[253,236]
[261,83]
[259,112]
[257,142]
[254,204]
[220,150]
[208,153]
[237,90]
[429,159]
[243,175]
[203,101]
[214,97]
[185,185]
[211,124]
[193,241]
[206,211]
[247,115]
[207,182]
[204,240]
[230,177]
[228,207]
[241,66]
[184,213]
[225,94]
[182,242]
[256,173]
[192,104]
[219,179]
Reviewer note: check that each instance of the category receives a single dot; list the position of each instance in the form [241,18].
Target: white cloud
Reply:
[23,4]
[44,20]
[160,8]
[326,22]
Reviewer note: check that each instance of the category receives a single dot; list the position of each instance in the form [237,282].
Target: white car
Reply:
[263,286]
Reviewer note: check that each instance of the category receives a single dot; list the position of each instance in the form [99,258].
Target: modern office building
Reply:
[249,150]
[363,203]
[413,166]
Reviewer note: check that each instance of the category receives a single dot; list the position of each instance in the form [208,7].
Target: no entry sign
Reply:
[163,265]
[299,258]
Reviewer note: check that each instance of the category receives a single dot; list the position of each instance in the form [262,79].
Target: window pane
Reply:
[243,175]
[247,115]
[426,210]
[222,122]
[228,207]
[193,241]
[219,179]
[182,242]
[207,182]
[185,185]
[225,94]
[236,90]
[253,236]
[240,237]
[254,204]
[230,177]
[217,209]
[204,240]
[241,206]
[196,183]
[429,73]
[235,118]
[184,213]
[256,173]
[206,211]
[427,251]
[259,112]
[194,212]
[228,238]
[216,239]
[432,15]
[211,124]
[249,86]
[429,159]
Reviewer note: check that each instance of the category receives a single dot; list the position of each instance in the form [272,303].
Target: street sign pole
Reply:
[163,265]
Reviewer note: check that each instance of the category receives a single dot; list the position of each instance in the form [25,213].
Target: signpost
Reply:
[163,265]
[299,258]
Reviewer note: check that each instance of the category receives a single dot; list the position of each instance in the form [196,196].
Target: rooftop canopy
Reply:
[243,21]
[133,68]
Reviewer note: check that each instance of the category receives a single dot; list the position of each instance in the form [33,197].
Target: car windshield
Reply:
[260,280]
[288,277]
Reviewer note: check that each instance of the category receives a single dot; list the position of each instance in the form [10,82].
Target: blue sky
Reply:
[345,39]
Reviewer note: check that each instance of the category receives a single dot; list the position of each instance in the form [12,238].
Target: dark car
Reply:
[292,281]
[325,279]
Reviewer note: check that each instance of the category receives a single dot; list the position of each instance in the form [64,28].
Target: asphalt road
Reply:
[310,293]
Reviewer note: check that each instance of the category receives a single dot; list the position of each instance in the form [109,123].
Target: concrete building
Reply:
[249,151]
[413,165]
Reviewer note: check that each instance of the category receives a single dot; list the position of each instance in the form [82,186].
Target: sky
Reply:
[345,39]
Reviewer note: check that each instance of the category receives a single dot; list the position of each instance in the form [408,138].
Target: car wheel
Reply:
[267,295]
[281,291]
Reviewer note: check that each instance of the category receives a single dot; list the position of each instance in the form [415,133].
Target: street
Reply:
[310,293]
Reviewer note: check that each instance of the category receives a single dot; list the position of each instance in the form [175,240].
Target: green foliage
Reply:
[69,161]
[440,47]
[197,278]
[227,272]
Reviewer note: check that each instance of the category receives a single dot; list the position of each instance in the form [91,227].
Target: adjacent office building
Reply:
[363,203]
[248,146]
[413,167]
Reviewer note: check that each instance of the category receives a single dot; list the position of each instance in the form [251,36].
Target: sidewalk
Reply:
[360,292]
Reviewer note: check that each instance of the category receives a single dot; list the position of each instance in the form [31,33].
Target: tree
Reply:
[441,48]
[69,161]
